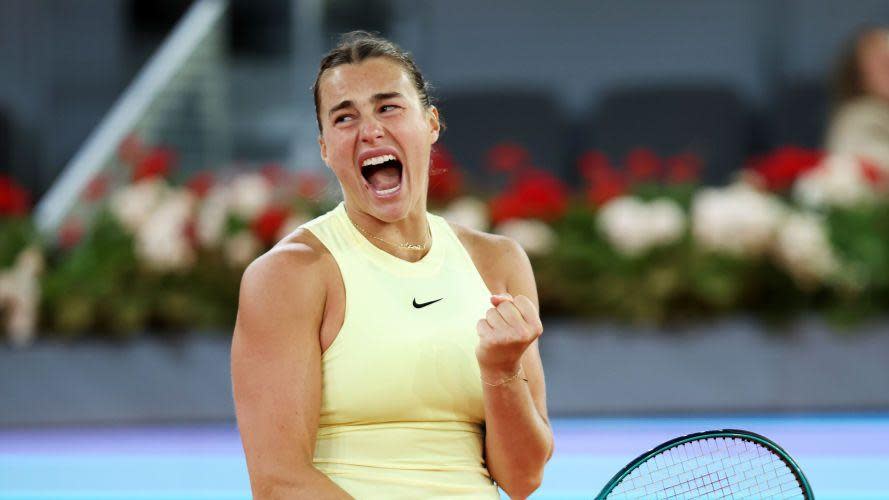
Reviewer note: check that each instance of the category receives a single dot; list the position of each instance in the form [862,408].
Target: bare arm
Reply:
[276,374]
[519,439]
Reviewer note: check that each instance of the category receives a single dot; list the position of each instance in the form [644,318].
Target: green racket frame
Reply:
[724,433]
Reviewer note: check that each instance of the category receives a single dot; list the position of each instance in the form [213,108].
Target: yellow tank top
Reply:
[402,415]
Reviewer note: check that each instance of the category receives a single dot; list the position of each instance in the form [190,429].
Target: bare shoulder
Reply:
[293,272]
[486,243]
[297,255]
[497,257]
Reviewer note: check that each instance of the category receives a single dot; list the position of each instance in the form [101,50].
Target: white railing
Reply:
[101,146]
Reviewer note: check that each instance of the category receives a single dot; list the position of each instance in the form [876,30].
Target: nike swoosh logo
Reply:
[424,304]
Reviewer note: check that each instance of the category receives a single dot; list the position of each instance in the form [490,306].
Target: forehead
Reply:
[358,82]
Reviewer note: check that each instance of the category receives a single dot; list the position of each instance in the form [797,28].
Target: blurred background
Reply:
[701,187]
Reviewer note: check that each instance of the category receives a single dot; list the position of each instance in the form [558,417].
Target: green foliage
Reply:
[17,234]
[97,284]
[101,286]
[585,276]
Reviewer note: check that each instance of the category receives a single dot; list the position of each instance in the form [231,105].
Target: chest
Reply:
[434,296]
[405,346]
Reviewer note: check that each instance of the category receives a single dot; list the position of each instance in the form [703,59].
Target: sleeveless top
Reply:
[402,413]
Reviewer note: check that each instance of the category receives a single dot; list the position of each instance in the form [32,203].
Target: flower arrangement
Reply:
[643,242]
[21,264]
[149,250]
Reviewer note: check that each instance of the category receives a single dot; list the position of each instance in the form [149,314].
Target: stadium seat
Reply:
[709,121]
[479,120]
[799,114]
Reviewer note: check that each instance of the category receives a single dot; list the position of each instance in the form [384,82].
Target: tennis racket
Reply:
[714,464]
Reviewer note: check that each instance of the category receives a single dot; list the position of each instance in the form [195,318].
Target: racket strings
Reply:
[711,468]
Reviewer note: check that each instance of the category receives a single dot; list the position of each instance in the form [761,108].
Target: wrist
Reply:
[499,376]
[493,372]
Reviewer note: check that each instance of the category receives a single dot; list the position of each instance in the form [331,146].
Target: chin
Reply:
[388,207]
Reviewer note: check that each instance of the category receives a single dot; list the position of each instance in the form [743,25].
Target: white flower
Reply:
[535,236]
[468,211]
[837,181]
[291,223]
[737,220]
[241,248]
[249,194]
[161,240]
[633,226]
[802,246]
[212,216]
[133,204]
[20,296]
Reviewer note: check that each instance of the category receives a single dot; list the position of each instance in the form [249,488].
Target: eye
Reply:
[342,118]
[388,107]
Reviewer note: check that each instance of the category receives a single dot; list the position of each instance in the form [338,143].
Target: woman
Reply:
[379,351]
[860,125]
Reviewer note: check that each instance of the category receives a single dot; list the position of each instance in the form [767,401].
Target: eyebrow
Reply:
[374,98]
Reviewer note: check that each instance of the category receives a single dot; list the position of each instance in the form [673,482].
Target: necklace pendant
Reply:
[413,246]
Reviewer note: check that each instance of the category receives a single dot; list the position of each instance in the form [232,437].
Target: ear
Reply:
[434,123]
[323,147]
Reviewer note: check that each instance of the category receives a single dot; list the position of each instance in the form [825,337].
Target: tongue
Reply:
[385,178]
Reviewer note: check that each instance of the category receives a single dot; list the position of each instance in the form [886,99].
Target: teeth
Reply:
[388,191]
[376,160]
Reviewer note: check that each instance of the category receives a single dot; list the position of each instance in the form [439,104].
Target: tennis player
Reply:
[379,351]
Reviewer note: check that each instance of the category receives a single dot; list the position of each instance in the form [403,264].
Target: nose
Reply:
[371,130]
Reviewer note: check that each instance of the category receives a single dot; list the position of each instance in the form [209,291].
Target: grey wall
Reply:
[63,63]
[814,30]
[578,49]
[60,70]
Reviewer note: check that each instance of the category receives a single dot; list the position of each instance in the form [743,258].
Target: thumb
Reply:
[500,298]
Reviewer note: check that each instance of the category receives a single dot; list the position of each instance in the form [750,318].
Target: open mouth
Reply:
[383,174]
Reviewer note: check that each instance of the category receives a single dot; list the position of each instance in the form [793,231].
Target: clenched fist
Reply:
[505,333]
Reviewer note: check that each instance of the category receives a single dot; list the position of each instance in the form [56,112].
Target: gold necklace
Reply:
[406,246]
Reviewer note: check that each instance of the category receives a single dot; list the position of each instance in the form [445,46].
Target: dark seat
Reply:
[709,121]
[479,120]
[799,114]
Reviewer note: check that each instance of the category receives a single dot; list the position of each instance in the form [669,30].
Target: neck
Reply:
[393,235]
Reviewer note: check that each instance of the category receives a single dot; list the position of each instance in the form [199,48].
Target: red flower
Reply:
[310,185]
[507,157]
[157,163]
[275,173]
[70,233]
[14,200]
[594,165]
[131,149]
[604,181]
[190,231]
[506,206]
[96,189]
[780,169]
[535,194]
[874,175]
[201,183]
[445,178]
[602,192]
[267,225]
[683,168]
[642,165]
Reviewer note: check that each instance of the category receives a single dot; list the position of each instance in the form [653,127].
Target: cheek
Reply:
[338,148]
